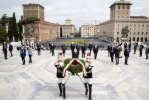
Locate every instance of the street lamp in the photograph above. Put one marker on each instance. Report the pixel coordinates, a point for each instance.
(50, 33)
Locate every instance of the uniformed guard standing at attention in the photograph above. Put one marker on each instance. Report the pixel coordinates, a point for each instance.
(61, 80)
(88, 79)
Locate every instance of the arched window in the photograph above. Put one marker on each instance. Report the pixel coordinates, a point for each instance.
(138, 39)
(145, 39)
(133, 38)
(142, 39)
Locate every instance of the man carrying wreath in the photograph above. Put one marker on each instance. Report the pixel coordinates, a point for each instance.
(61, 80)
(88, 79)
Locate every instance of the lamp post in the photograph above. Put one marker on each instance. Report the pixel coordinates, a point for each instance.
(50, 33)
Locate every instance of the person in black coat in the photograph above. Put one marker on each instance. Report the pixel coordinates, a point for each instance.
(112, 53)
(141, 49)
(126, 54)
(10, 49)
(78, 49)
(52, 48)
(83, 49)
(5, 51)
(90, 46)
(72, 47)
(38, 48)
(129, 46)
(63, 49)
(125, 45)
(75, 54)
(109, 46)
(95, 50)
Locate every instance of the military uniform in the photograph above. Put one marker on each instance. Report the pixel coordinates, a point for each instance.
(61, 80)
(88, 79)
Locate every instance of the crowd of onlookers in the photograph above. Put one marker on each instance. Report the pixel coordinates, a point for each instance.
(114, 50)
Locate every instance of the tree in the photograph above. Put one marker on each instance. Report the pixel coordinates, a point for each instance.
(29, 26)
(4, 20)
(10, 29)
(20, 30)
(3, 35)
(14, 27)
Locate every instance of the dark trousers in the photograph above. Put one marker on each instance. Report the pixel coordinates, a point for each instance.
(83, 54)
(11, 53)
(146, 55)
(78, 53)
(5, 55)
(72, 52)
(23, 60)
(140, 53)
(63, 53)
(112, 56)
(95, 55)
(134, 51)
(117, 58)
(30, 58)
(52, 52)
(39, 52)
(90, 50)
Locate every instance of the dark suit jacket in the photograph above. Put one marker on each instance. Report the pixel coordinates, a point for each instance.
(10, 47)
(75, 55)
(38, 46)
(52, 47)
(72, 47)
(95, 49)
(83, 48)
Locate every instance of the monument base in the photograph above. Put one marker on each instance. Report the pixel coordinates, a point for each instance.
(124, 39)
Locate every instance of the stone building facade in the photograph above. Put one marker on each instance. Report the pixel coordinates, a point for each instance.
(68, 29)
(87, 30)
(119, 18)
(44, 31)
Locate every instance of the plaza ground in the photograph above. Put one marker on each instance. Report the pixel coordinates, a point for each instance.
(37, 81)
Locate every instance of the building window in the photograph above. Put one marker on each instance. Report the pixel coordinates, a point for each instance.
(130, 28)
(134, 25)
(146, 33)
(142, 25)
(145, 39)
(123, 7)
(134, 28)
(147, 25)
(138, 33)
(128, 7)
(127, 12)
(134, 32)
(133, 38)
(142, 32)
(118, 25)
(117, 32)
(138, 39)
(139, 25)
(141, 39)
(118, 16)
(119, 7)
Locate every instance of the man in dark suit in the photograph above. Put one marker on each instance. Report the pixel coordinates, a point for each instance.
(5, 51)
(95, 50)
(125, 45)
(39, 48)
(141, 49)
(75, 54)
(129, 46)
(10, 49)
(52, 48)
(63, 46)
(72, 47)
(83, 49)
(112, 53)
(78, 49)
(90, 46)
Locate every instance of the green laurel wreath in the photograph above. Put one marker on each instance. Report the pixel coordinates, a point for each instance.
(75, 68)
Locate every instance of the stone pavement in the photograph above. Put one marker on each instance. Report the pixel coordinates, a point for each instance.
(37, 81)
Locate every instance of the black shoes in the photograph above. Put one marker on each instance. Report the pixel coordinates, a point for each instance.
(86, 88)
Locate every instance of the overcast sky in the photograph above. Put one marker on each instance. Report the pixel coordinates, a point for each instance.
(79, 11)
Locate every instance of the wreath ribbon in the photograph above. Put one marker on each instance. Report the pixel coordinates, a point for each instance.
(69, 64)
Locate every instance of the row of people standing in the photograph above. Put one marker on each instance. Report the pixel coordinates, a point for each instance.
(75, 50)
(5, 49)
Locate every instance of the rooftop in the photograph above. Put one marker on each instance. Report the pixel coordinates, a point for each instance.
(121, 2)
(32, 4)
